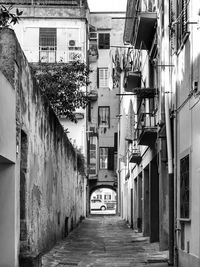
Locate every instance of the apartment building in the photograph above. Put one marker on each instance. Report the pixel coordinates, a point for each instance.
(55, 32)
(105, 45)
(159, 188)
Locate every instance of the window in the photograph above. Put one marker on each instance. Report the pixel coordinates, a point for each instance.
(107, 197)
(184, 187)
(93, 158)
(104, 40)
(104, 117)
(106, 158)
(182, 17)
(102, 79)
(47, 44)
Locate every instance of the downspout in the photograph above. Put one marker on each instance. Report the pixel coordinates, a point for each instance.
(168, 94)
(171, 179)
(168, 91)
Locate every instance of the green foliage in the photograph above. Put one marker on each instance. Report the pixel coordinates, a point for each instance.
(64, 85)
(81, 164)
(7, 17)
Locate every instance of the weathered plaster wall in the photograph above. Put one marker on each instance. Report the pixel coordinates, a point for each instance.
(50, 202)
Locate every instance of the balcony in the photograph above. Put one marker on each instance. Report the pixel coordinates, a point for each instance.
(144, 92)
(132, 80)
(145, 28)
(147, 129)
(93, 95)
(53, 54)
(135, 156)
(46, 2)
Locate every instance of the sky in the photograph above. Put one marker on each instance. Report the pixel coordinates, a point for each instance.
(107, 5)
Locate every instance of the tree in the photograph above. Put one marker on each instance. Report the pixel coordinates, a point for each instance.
(64, 85)
(7, 17)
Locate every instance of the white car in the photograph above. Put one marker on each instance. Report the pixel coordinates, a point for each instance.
(97, 204)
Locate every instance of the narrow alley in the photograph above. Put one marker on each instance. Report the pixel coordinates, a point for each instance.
(104, 241)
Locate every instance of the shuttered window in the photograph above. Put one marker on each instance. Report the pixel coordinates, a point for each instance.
(47, 38)
(102, 77)
(172, 18)
(182, 18)
(104, 117)
(106, 158)
(184, 187)
(104, 40)
(93, 155)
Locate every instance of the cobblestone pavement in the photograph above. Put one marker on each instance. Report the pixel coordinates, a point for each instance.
(102, 241)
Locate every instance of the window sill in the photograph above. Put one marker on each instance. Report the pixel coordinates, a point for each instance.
(186, 220)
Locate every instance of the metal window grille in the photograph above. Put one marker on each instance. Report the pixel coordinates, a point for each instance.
(47, 44)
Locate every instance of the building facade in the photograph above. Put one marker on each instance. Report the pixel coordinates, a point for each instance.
(42, 187)
(56, 32)
(105, 44)
(158, 169)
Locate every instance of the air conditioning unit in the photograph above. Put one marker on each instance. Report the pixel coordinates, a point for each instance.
(72, 43)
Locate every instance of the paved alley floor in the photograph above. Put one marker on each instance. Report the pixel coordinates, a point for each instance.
(103, 241)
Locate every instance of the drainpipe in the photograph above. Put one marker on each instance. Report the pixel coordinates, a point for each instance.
(171, 180)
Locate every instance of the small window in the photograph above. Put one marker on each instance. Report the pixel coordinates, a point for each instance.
(102, 79)
(184, 187)
(107, 197)
(106, 158)
(93, 155)
(104, 117)
(47, 44)
(104, 40)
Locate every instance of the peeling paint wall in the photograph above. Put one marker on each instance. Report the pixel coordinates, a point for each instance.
(50, 189)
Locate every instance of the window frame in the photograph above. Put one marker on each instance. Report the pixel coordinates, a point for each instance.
(185, 174)
(110, 159)
(102, 77)
(102, 42)
(50, 47)
(107, 124)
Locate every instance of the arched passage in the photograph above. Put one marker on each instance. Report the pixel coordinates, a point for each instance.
(103, 200)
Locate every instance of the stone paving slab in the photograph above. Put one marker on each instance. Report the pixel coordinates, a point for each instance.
(102, 241)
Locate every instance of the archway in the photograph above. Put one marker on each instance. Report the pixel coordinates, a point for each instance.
(103, 200)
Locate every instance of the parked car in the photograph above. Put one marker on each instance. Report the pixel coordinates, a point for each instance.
(97, 204)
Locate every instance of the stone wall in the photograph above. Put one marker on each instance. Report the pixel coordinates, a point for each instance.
(50, 189)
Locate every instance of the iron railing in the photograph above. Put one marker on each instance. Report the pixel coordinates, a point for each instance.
(46, 2)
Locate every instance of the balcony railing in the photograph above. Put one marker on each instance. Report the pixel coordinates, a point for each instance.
(53, 54)
(135, 155)
(46, 2)
(147, 129)
(93, 95)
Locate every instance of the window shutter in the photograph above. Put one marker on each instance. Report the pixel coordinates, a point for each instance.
(115, 141)
(107, 41)
(97, 77)
(111, 158)
(172, 28)
(101, 40)
(185, 15)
